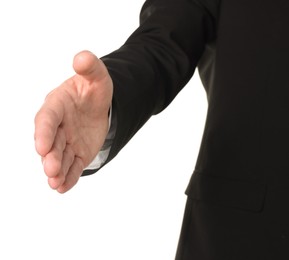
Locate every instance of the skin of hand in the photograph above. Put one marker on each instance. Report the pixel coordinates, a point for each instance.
(72, 124)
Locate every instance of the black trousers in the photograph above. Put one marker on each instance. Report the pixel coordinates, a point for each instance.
(214, 232)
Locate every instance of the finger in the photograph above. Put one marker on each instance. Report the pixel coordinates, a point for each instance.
(52, 162)
(68, 158)
(72, 176)
(47, 121)
(56, 182)
(67, 161)
(87, 65)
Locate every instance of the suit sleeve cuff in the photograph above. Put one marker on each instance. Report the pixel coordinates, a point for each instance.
(103, 154)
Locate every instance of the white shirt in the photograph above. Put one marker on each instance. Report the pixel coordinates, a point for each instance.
(102, 156)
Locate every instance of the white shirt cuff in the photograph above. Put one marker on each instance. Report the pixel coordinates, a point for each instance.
(102, 156)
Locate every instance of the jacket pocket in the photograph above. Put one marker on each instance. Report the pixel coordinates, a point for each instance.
(224, 192)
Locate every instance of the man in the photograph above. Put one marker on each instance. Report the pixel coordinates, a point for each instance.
(238, 196)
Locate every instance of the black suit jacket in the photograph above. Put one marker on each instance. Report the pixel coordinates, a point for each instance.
(238, 194)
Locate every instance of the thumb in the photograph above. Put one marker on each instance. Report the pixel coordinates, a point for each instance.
(87, 65)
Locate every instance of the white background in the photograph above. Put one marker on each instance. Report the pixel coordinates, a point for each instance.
(131, 209)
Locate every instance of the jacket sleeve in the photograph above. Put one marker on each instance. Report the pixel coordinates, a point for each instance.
(157, 61)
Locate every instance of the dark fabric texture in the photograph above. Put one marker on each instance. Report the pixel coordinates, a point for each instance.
(238, 196)
(156, 62)
(214, 231)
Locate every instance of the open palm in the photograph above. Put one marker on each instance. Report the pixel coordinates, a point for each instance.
(71, 125)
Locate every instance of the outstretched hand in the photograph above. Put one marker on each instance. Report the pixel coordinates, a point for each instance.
(71, 125)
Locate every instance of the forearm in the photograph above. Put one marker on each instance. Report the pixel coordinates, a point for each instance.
(156, 62)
